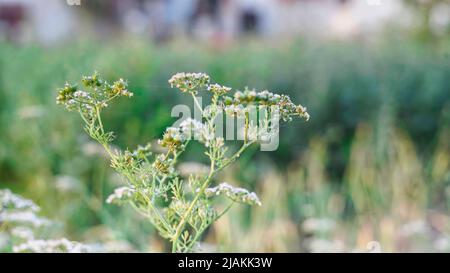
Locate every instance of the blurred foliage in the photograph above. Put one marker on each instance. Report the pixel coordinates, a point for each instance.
(373, 157)
(424, 11)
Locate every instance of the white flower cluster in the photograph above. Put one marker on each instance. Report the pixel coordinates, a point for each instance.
(218, 89)
(191, 127)
(24, 218)
(23, 233)
(81, 94)
(120, 87)
(121, 195)
(264, 99)
(19, 211)
(235, 110)
(175, 134)
(211, 111)
(189, 82)
(9, 200)
(22, 221)
(236, 194)
(51, 246)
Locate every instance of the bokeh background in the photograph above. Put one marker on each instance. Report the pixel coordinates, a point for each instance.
(371, 169)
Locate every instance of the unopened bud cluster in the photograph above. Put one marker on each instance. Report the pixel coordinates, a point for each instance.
(95, 94)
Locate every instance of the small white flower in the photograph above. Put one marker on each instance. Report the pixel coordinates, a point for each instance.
(252, 132)
(81, 94)
(220, 142)
(121, 195)
(235, 110)
(191, 127)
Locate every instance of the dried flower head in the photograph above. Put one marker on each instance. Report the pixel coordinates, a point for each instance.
(236, 194)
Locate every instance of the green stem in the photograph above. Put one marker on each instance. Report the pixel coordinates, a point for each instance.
(205, 184)
(99, 119)
(129, 177)
(203, 228)
(197, 103)
(235, 156)
(246, 127)
(158, 214)
(224, 211)
(186, 215)
(147, 215)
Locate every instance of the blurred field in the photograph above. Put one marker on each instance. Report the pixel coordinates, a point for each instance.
(373, 164)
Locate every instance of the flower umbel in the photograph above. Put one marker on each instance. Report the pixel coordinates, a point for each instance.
(121, 195)
(189, 82)
(236, 194)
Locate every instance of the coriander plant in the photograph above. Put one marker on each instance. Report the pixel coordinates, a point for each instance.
(182, 209)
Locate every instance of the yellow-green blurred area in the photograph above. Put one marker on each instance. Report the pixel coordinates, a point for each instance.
(371, 168)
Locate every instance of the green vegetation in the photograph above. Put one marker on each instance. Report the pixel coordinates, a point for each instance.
(371, 165)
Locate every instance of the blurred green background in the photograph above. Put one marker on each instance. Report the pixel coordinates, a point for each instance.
(372, 164)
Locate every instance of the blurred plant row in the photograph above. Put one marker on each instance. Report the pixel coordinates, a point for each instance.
(371, 165)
